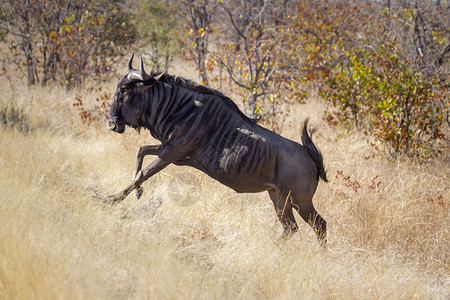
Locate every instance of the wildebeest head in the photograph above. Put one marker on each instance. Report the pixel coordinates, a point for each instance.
(125, 107)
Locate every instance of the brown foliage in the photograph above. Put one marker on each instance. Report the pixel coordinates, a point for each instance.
(98, 113)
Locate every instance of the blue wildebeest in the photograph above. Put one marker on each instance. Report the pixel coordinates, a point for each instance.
(202, 128)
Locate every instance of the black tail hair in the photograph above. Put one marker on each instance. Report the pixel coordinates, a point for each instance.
(313, 151)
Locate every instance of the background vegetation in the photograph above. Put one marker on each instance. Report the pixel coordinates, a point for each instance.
(372, 75)
(382, 66)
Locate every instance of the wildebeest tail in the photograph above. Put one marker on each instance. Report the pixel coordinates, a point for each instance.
(313, 151)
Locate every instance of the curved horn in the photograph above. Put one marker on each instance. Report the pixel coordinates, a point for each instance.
(144, 75)
(130, 62)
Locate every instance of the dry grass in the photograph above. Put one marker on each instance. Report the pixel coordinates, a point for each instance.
(388, 222)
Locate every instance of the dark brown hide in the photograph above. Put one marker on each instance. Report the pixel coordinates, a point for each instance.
(202, 128)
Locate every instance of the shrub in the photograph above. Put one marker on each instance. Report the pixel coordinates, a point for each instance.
(97, 113)
(380, 91)
(12, 116)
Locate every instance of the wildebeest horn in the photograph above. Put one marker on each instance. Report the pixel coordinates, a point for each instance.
(130, 62)
(144, 75)
(139, 75)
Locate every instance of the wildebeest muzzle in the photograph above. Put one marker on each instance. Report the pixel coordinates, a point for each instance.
(116, 126)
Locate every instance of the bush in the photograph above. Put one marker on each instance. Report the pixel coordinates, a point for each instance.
(380, 91)
(66, 41)
(12, 116)
(161, 38)
(96, 113)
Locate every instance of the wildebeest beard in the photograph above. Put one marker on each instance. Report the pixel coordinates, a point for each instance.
(202, 128)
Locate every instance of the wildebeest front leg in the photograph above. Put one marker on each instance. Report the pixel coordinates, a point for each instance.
(142, 152)
(157, 165)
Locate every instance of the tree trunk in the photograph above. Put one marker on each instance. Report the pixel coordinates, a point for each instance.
(251, 106)
(29, 59)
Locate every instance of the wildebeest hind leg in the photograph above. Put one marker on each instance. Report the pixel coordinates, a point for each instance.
(283, 207)
(312, 217)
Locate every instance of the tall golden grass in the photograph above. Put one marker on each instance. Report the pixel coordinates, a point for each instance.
(388, 221)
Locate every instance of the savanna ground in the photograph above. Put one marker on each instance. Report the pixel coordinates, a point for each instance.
(190, 237)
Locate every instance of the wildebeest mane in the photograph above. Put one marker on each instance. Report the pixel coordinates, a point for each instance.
(167, 78)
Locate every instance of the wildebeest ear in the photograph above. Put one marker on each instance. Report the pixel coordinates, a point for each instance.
(158, 77)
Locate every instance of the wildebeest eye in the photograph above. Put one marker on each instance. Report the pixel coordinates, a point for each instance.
(129, 86)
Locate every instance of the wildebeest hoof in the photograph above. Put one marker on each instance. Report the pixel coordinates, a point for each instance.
(139, 192)
(113, 199)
